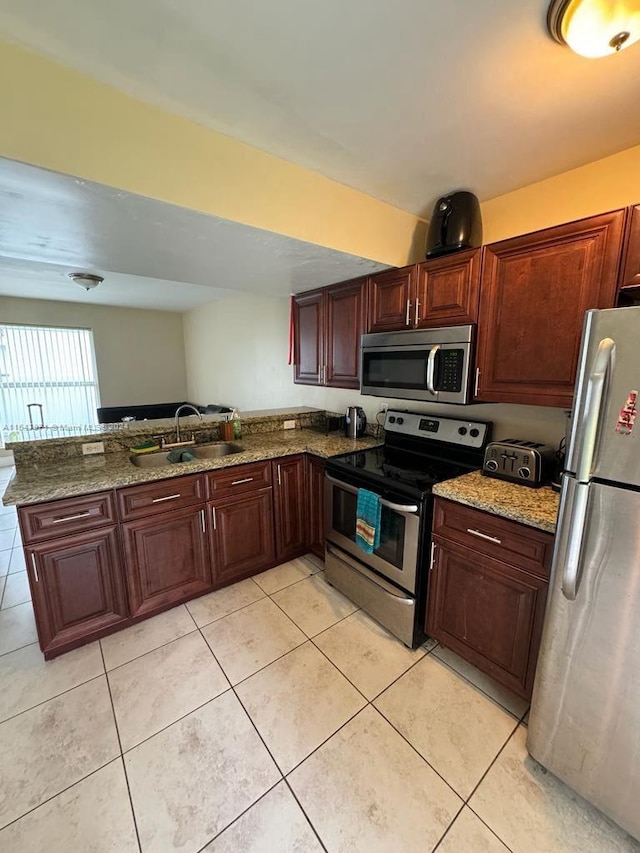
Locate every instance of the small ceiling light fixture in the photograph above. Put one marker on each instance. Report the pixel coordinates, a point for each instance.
(595, 28)
(86, 279)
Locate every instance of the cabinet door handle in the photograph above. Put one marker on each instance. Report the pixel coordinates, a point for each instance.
(246, 480)
(35, 567)
(168, 498)
(71, 517)
(202, 521)
(213, 517)
(417, 320)
(477, 385)
(407, 315)
(279, 480)
(484, 536)
(432, 559)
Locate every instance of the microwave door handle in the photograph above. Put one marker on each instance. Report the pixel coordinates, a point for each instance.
(404, 508)
(431, 369)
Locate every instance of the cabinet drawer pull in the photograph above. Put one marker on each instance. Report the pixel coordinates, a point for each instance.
(484, 536)
(202, 520)
(246, 480)
(168, 498)
(407, 319)
(213, 517)
(71, 517)
(35, 567)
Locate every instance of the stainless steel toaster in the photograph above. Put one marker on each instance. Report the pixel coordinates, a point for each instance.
(526, 462)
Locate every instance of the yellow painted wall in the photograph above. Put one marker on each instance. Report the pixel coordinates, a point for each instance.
(603, 185)
(61, 120)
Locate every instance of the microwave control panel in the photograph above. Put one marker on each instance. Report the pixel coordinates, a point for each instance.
(450, 366)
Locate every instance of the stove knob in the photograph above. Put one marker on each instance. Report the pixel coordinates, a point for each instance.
(392, 420)
(462, 430)
(400, 420)
(491, 465)
(474, 433)
(524, 472)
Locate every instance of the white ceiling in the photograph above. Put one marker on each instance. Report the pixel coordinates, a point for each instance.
(403, 100)
(151, 254)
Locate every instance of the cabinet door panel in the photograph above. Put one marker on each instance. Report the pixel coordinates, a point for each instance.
(448, 290)
(391, 297)
(345, 324)
(309, 323)
(535, 291)
(77, 587)
(488, 612)
(242, 536)
(315, 515)
(166, 559)
(631, 266)
(289, 505)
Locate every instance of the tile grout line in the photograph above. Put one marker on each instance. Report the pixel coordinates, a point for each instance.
(124, 768)
(50, 698)
(302, 809)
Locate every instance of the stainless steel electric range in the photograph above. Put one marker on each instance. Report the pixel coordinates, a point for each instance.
(419, 450)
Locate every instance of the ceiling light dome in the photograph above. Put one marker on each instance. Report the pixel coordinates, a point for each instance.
(595, 28)
(86, 279)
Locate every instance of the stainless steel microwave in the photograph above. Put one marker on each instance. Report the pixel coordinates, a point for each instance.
(432, 365)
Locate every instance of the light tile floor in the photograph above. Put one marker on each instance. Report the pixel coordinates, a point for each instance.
(270, 717)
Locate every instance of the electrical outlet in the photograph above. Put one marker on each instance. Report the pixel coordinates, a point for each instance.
(289, 425)
(92, 447)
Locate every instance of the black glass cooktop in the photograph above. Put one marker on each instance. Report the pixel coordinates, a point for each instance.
(398, 469)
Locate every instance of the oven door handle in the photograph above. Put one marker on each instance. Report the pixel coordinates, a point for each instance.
(407, 509)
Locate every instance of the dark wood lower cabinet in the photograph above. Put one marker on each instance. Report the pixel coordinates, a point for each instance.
(487, 611)
(315, 498)
(242, 540)
(289, 506)
(77, 588)
(166, 558)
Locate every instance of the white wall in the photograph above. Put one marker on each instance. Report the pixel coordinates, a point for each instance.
(236, 353)
(139, 354)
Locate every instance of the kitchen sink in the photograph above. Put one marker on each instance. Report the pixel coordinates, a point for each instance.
(202, 451)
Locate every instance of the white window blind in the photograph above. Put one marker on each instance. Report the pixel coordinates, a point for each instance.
(49, 366)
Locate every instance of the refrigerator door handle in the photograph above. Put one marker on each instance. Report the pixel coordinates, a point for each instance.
(570, 557)
(593, 408)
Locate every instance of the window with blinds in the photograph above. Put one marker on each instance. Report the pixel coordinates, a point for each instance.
(47, 377)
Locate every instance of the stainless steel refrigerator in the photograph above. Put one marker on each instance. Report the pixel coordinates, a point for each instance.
(585, 713)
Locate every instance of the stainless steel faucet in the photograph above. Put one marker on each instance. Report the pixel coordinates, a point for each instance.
(177, 442)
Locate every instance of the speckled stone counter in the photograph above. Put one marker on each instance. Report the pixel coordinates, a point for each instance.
(49, 480)
(535, 507)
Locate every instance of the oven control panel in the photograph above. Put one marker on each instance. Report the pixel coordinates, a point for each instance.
(450, 430)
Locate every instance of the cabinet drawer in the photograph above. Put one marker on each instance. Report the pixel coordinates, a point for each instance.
(161, 496)
(70, 515)
(514, 543)
(238, 479)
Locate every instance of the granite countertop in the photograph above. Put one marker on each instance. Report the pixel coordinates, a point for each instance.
(534, 507)
(52, 480)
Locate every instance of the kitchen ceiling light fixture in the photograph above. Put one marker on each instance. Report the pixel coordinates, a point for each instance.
(594, 28)
(86, 279)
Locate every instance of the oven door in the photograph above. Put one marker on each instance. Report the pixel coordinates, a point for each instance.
(434, 373)
(397, 556)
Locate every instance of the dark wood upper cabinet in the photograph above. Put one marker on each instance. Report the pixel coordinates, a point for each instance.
(289, 503)
(166, 558)
(345, 313)
(630, 276)
(448, 290)
(391, 298)
(327, 325)
(535, 291)
(309, 326)
(242, 542)
(315, 498)
(77, 588)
